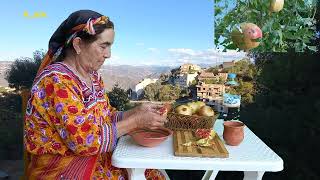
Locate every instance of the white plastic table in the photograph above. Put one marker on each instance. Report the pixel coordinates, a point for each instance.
(252, 156)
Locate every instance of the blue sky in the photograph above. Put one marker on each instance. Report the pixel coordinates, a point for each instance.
(152, 32)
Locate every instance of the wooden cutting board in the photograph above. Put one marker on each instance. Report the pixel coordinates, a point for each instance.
(183, 136)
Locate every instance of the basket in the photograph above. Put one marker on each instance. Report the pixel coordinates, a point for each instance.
(178, 121)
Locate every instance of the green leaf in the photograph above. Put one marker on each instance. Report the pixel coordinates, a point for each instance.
(312, 48)
(231, 46)
(308, 21)
(217, 11)
(289, 35)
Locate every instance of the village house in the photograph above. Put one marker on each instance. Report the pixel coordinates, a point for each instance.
(210, 91)
(186, 74)
(142, 84)
(185, 80)
(228, 64)
(211, 76)
(189, 68)
(228, 103)
(212, 94)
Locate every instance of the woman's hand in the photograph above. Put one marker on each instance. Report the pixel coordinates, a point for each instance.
(141, 109)
(149, 107)
(149, 119)
(146, 115)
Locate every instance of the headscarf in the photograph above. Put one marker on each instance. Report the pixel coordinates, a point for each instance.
(82, 20)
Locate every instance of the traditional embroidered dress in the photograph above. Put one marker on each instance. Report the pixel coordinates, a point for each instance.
(70, 128)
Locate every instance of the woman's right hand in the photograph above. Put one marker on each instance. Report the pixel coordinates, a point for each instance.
(149, 119)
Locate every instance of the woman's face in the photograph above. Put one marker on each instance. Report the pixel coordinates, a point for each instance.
(93, 55)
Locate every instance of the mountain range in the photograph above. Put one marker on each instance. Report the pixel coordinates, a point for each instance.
(125, 75)
(128, 76)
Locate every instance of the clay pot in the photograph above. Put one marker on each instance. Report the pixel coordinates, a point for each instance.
(233, 132)
(150, 137)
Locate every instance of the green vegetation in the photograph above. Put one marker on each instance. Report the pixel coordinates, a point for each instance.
(291, 29)
(23, 70)
(214, 70)
(214, 81)
(151, 91)
(118, 98)
(158, 92)
(164, 78)
(11, 123)
(245, 89)
(244, 69)
(247, 73)
(285, 112)
(169, 92)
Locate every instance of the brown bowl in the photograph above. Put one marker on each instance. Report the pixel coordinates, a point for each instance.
(150, 137)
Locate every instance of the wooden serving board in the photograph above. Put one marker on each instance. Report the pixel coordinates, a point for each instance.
(183, 136)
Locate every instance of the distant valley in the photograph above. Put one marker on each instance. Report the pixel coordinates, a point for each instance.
(125, 75)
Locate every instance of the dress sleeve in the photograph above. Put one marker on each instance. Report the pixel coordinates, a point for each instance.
(78, 127)
(116, 116)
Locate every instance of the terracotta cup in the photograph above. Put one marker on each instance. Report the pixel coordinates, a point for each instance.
(233, 132)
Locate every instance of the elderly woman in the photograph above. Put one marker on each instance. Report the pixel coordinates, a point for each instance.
(70, 127)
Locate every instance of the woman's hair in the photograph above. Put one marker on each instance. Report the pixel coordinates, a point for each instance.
(86, 38)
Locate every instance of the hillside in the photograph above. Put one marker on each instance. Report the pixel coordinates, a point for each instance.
(126, 76)
(4, 65)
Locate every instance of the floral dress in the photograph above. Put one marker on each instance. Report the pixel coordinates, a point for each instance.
(70, 128)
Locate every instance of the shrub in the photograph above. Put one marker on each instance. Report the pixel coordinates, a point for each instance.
(23, 71)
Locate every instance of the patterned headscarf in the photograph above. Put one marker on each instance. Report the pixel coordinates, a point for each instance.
(82, 20)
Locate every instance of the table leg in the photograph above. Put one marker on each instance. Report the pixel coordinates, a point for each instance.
(253, 175)
(136, 174)
(164, 173)
(210, 175)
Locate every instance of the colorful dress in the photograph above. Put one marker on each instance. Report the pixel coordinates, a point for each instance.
(70, 129)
